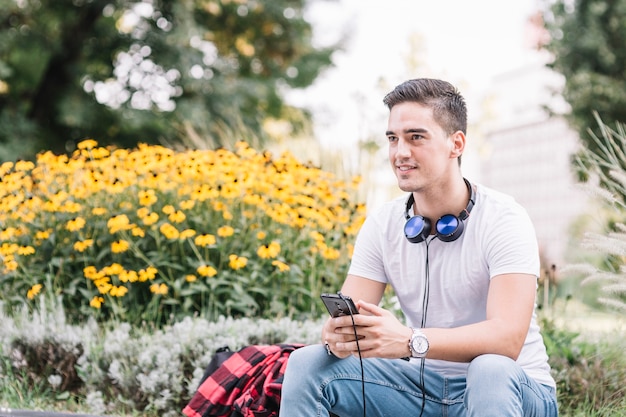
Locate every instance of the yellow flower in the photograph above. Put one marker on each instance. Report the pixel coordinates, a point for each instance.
(282, 267)
(118, 291)
(237, 262)
(143, 212)
(187, 233)
(150, 219)
(317, 236)
(9, 263)
(24, 165)
(204, 240)
(81, 246)
(169, 231)
(177, 217)
(190, 278)
(147, 274)
(137, 231)
(34, 290)
(8, 233)
(25, 250)
(187, 204)
(159, 289)
(100, 153)
(75, 224)
(113, 269)
(96, 302)
(329, 253)
(206, 271)
(87, 144)
(128, 276)
(261, 235)
(120, 246)
(147, 197)
(168, 209)
(8, 248)
(90, 272)
(225, 231)
(269, 251)
(118, 223)
(103, 286)
(42, 234)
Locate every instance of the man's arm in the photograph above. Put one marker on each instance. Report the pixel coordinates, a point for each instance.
(363, 289)
(510, 306)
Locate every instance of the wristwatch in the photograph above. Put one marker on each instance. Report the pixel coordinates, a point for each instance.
(418, 344)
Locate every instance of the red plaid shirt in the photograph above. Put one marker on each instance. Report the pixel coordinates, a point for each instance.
(247, 384)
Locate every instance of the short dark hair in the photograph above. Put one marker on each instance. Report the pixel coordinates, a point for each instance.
(449, 108)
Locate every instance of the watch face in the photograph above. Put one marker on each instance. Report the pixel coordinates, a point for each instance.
(419, 345)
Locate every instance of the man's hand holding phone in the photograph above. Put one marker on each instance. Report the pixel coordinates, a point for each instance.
(339, 305)
(339, 331)
(379, 332)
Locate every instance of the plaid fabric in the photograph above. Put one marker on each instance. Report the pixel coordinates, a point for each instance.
(247, 384)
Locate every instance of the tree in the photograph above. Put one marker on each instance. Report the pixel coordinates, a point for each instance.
(129, 71)
(587, 39)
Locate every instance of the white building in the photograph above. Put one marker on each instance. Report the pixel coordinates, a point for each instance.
(528, 154)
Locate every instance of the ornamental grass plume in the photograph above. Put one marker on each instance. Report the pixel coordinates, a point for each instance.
(606, 171)
(155, 234)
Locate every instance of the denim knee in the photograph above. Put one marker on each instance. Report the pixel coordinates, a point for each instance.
(307, 357)
(498, 386)
(303, 367)
(493, 386)
(492, 366)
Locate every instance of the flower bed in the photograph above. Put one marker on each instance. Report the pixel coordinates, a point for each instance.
(152, 234)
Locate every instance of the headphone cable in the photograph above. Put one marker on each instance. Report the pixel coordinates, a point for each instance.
(358, 348)
(425, 299)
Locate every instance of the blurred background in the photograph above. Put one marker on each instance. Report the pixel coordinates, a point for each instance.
(245, 81)
(309, 76)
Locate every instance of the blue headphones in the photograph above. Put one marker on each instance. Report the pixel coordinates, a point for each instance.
(448, 228)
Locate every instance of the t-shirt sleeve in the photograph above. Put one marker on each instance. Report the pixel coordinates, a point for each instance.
(512, 246)
(367, 258)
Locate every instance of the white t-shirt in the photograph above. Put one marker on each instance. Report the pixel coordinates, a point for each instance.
(498, 238)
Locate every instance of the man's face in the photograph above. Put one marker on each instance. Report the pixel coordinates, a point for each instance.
(420, 152)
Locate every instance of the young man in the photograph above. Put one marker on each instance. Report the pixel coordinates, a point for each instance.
(463, 261)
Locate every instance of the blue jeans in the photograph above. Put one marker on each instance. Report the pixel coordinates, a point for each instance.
(316, 384)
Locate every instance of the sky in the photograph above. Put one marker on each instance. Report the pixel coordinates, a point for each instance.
(462, 41)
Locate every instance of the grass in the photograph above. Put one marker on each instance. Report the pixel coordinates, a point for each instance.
(590, 359)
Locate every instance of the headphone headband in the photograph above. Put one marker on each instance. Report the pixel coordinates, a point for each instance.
(448, 227)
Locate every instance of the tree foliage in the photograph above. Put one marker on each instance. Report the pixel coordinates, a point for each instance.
(128, 71)
(587, 39)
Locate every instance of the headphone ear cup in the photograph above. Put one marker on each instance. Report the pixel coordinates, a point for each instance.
(449, 228)
(417, 229)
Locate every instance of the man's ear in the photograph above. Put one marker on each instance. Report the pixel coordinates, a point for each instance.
(458, 144)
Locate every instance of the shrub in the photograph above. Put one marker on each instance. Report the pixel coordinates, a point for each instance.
(118, 369)
(155, 234)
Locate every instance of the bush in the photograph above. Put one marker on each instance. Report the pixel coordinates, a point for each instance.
(119, 369)
(154, 234)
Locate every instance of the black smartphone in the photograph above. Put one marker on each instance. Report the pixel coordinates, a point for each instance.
(339, 305)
